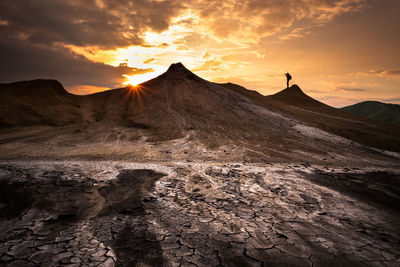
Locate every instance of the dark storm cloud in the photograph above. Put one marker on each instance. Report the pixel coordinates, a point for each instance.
(103, 23)
(24, 61)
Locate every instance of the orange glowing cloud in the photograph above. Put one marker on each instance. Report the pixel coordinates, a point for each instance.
(86, 89)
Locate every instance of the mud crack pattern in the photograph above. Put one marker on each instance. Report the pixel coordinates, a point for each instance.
(198, 214)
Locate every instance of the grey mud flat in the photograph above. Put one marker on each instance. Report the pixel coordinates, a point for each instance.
(80, 213)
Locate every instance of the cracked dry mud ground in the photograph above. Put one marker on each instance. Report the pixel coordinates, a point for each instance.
(197, 214)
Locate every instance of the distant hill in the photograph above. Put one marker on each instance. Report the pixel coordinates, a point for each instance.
(376, 110)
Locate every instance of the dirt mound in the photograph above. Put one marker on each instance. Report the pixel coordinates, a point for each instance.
(295, 103)
(180, 115)
(296, 97)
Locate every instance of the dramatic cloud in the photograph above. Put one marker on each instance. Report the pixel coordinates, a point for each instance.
(118, 23)
(86, 89)
(23, 61)
(103, 23)
(37, 35)
(250, 20)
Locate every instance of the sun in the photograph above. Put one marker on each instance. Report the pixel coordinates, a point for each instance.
(131, 80)
(134, 80)
(135, 89)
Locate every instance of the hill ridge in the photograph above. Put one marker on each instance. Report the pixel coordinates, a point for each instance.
(179, 104)
(35, 86)
(386, 112)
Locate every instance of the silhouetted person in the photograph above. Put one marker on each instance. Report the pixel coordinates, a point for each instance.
(288, 77)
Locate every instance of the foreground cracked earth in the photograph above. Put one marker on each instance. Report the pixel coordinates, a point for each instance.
(197, 214)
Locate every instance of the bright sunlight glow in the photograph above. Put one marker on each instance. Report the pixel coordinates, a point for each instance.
(134, 80)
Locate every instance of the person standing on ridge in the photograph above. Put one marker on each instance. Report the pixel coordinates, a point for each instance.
(288, 77)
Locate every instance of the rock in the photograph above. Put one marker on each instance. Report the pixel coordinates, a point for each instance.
(75, 260)
(183, 251)
(108, 263)
(99, 253)
(206, 219)
(111, 254)
(149, 198)
(41, 256)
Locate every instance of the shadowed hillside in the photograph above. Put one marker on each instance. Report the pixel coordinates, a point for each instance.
(376, 110)
(37, 102)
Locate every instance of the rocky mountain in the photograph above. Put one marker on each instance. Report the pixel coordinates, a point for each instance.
(376, 110)
(179, 115)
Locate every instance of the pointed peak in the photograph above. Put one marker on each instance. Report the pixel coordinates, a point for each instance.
(175, 72)
(175, 67)
(296, 97)
(294, 88)
(178, 70)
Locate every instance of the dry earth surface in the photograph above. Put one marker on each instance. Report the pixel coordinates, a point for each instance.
(180, 171)
(105, 213)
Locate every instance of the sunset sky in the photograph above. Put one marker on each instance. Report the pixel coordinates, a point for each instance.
(338, 51)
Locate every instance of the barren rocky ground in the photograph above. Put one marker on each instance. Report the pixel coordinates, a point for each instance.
(180, 171)
(104, 213)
